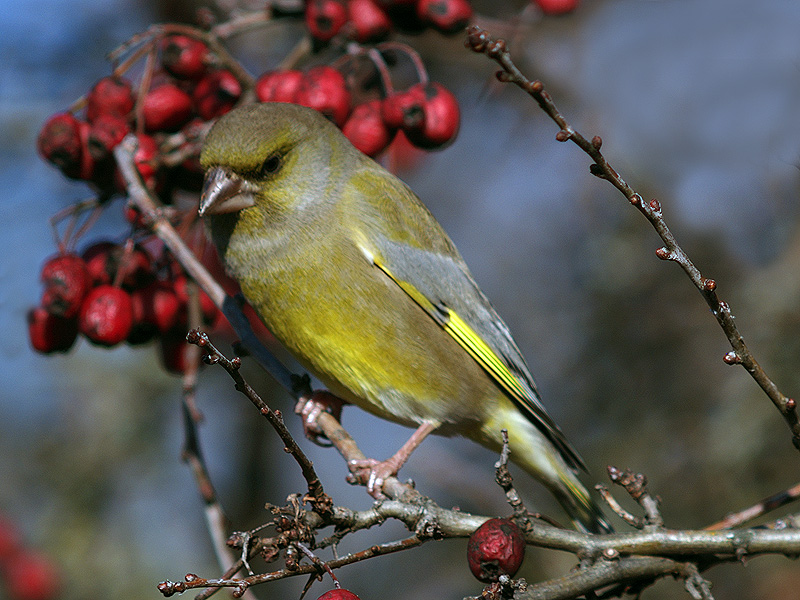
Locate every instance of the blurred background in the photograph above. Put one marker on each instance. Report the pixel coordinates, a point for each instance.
(696, 102)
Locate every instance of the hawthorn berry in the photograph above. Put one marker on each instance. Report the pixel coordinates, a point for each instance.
(50, 333)
(368, 22)
(110, 95)
(31, 576)
(442, 118)
(279, 86)
(448, 16)
(338, 594)
(172, 351)
(99, 262)
(136, 266)
(166, 108)
(556, 7)
(59, 143)
(146, 159)
(403, 110)
(10, 541)
(158, 305)
(495, 548)
(324, 89)
(135, 217)
(325, 18)
(216, 94)
(184, 57)
(66, 282)
(106, 316)
(367, 130)
(105, 132)
(208, 309)
(88, 163)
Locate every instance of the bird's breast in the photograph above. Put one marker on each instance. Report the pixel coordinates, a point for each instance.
(352, 326)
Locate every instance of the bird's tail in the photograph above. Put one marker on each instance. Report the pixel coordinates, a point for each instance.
(578, 504)
(532, 451)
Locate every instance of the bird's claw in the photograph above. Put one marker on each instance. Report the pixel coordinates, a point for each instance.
(373, 474)
(311, 408)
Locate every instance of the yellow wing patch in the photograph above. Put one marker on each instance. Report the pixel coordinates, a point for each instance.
(468, 339)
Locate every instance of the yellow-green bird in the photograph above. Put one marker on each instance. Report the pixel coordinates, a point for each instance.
(354, 276)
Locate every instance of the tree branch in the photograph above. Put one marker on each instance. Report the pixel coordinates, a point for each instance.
(481, 41)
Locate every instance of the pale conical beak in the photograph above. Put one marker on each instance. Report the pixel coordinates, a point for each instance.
(224, 192)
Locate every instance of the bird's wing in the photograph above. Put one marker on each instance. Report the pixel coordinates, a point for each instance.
(426, 265)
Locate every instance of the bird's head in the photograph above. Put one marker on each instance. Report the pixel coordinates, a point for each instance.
(270, 155)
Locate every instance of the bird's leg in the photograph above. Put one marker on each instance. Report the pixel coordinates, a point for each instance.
(310, 409)
(373, 473)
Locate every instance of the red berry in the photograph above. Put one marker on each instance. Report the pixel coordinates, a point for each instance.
(404, 110)
(106, 316)
(403, 155)
(135, 217)
(146, 159)
(104, 259)
(105, 132)
(110, 95)
(338, 594)
(10, 542)
(368, 21)
(556, 7)
(324, 89)
(66, 280)
(157, 304)
(448, 16)
(279, 86)
(442, 118)
(59, 142)
(366, 129)
(216, 94)
(31, 576)
(325, 18)
(166, 108)
(184, 57)
(88, 163)
(172, 347)
(207, 306)
(136, 267)
(99, 263)
(495, 548)
(50, 333)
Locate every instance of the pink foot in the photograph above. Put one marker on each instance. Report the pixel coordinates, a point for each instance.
(311, 408)
(373, 473)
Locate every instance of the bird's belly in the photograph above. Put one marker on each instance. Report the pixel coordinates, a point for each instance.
(373, 346)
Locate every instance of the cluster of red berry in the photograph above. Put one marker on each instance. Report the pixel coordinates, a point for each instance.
(369, 21)
(189, 81)
(113, 294)
(27, 574)
(119, 293)
(427, 113)
(187, 92)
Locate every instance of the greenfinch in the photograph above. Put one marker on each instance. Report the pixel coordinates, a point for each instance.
(355, 277)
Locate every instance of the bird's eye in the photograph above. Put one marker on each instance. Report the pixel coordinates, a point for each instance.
(272, 165)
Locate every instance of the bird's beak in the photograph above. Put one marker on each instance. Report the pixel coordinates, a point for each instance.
(224, 192)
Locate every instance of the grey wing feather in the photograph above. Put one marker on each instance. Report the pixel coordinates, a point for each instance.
(445, 280)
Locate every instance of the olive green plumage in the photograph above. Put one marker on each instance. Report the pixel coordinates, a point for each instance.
(351, 272)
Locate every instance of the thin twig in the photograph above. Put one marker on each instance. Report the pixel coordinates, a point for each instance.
(481, 41)
(321, 501)
(140, 197)
(763, 507)
(168, 588)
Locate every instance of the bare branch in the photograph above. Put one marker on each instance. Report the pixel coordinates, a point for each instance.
(481, 41)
